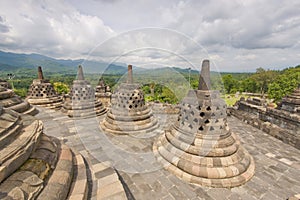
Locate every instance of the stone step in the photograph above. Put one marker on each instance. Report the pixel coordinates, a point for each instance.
(51, 102)
(79, 187)
(21, 185)
(88, 113)
(16, 103)
(139, 131)
(28, 181)
(9, 115)
(19, 150)
(7, 124)
(55, 106)
(108, 184)
(6, 94)
(14, 100)
(9, 134)
(122, 115)
(20, 107)
(96, 182)
(59, 183)
(50, 105)
(82, 105)
(31, 111)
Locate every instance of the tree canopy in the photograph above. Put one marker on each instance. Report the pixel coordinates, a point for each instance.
(285, 83)
(172, 87)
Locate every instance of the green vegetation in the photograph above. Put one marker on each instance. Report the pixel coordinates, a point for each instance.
(263, 78)
(232, 99)
(21, 92)
(157, 92)
(61, 88)
(171, 84)
(230, 84)
(276, 84)
(285, 83)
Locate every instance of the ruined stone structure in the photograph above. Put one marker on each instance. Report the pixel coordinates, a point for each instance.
(291, 103)
(164, 108)
(251, 105)
(282, 122)
(129, 114)
(8, 99)
(33, 165)
(200, 148)
(103, 92)
(286, 117)
(42, 93)
(81, 101)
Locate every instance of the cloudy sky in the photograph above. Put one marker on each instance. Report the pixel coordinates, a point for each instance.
(236, 35)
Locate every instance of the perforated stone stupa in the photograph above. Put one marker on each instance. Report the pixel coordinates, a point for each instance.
(81, 101)
(103, 92)
(129, 114)
(200, 148)
(33, 165)
(8, 99)
(42, 93)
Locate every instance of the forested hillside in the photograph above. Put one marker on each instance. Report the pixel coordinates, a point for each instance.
(274, 83)
(167, 84)
(171, 84)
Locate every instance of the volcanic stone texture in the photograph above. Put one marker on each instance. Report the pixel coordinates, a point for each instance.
(200, 148)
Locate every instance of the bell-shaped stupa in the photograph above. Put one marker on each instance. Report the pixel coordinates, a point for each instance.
(81, 101)
(42, 93)
(129, 114)
(200, 148)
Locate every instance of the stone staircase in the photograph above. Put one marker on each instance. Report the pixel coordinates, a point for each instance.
(36, 166)
(96, 179)
(107, 182)
(10, 100)
(79, 187)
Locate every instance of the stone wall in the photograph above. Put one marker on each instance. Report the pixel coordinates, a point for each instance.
(266, 122)
(164, 108)
(281, 118)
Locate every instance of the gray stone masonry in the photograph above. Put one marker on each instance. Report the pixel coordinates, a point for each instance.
(277, 164)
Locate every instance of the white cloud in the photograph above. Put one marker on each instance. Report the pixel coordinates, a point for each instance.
(245, 57)
(53, 28)
(237, 35)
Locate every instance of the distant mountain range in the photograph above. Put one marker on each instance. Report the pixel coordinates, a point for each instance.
(13, 61)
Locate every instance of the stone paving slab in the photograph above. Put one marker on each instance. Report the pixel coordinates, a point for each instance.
(277, 164)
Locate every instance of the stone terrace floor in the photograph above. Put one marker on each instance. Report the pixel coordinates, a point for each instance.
(277, 173)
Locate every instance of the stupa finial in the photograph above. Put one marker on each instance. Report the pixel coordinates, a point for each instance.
(80, 73)
(40, 73)
(204, 78)
(129, 75)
